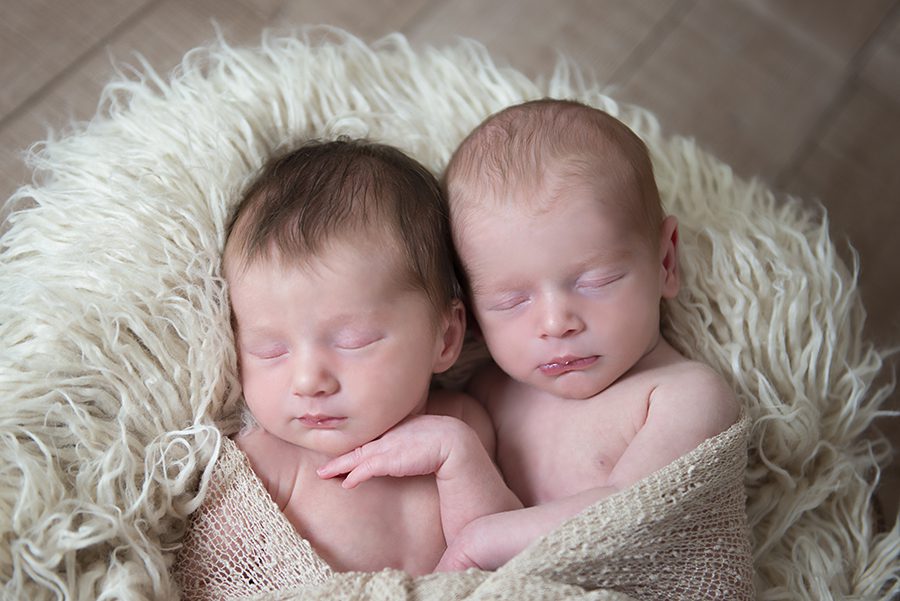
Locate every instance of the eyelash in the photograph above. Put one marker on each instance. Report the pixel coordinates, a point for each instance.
(345, 345)
(594, 284)
(508, 303)
(355, 345)
(512, 303)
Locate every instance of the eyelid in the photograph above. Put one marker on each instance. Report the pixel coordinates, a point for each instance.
(507, 303)
(598, 282)
(267, 353)
(353, 342)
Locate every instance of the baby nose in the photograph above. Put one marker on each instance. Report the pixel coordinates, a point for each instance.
(313, 378)
(559, 320)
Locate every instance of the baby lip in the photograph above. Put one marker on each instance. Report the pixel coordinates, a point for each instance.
(567, 363)
(318, 420)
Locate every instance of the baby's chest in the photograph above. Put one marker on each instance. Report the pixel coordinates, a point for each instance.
(553, 450)
(385, 522)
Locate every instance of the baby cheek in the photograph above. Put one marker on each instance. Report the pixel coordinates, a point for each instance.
(261, 390)
(507, 343)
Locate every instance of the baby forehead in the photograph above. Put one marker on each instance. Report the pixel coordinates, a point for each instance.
(345, 282)
(500, 240)
(349, 255)
(539, 185)
(557, 201)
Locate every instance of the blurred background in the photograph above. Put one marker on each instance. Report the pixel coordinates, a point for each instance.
(803, 94)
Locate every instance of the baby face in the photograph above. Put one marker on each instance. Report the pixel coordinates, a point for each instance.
(567, 299)
(334, 353)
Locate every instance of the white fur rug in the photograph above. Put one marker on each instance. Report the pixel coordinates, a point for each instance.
(116, 361)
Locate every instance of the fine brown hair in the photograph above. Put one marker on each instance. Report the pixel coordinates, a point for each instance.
(519, 147)
(342, 189)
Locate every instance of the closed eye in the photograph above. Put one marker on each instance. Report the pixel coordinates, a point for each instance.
(357, 342)
(267, 354)
(595, 283)
(508, 304)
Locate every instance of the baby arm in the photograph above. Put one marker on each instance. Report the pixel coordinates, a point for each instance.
(490, 541)
(682, 412)
(456, 446)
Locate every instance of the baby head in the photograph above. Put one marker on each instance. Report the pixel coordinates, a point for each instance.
(557, 222)
(343, 295)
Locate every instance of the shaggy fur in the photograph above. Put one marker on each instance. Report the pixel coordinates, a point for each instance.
(116, 368)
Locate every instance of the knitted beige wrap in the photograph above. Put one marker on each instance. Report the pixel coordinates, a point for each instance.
(680, 533)
(239, 542)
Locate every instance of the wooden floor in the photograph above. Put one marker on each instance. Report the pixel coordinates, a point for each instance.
(804, 93)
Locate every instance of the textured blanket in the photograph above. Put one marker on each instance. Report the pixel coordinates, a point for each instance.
(117, 374)
(681, 533)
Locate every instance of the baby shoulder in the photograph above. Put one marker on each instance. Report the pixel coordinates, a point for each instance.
(696, 396)
(273, 460)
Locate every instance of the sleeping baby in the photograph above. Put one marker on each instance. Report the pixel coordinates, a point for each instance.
(558, 224)
(344, 303)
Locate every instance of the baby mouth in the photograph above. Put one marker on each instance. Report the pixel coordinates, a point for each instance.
(562, 365)
(320, 421)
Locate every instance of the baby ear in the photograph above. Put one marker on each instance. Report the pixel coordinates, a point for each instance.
(453, 328)
(668, 256)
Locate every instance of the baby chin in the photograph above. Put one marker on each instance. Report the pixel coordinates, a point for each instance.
(330, 440)
(578, 385)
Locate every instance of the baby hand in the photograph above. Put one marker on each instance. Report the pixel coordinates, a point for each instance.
(417, 446)
(485, 543)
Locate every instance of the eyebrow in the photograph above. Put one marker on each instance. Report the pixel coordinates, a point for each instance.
(259, 331)
(338, 321)
(483, 289)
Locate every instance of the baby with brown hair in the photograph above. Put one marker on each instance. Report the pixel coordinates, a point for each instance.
(344, 303)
